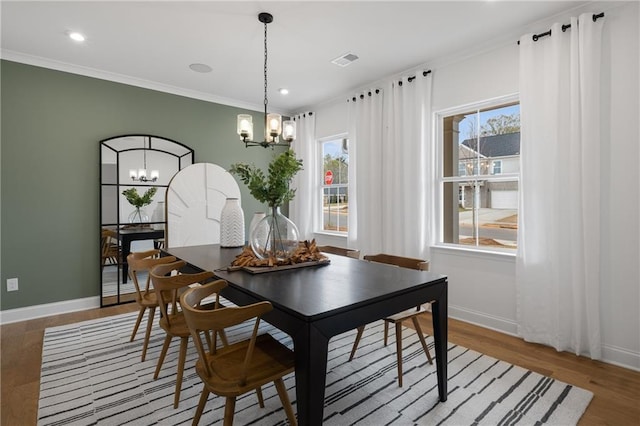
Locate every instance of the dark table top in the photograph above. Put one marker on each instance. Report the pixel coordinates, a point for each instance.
(140, 230)
(314, 292)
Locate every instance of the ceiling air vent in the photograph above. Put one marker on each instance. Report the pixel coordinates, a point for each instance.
(345, 59)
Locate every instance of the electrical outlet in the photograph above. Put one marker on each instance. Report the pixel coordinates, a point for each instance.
(12, 284)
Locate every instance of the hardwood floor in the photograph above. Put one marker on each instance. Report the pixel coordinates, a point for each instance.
(616, 390)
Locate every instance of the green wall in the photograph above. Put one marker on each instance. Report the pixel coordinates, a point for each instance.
(52, 123)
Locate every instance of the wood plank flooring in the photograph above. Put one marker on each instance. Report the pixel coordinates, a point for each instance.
(616, 390)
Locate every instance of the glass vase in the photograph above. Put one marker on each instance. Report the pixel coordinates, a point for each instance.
(275, 236)
(257, 217)
(139, 216)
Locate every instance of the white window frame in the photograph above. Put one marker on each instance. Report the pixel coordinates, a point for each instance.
(493, 167)
(438, 211)
(319, 212)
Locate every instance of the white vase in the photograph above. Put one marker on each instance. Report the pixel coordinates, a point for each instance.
(232, 224)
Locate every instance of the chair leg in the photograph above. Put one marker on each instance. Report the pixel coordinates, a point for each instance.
(284, 398)
(416, 324)
(203, 401)
(386, 331)
(138, 321)
(260, 398)
(399, 351)
(184, 341)
(147, 336)
(355, 344)
(163, 353)
(229, 410)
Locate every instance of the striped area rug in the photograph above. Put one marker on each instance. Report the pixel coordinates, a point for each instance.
(91, 374)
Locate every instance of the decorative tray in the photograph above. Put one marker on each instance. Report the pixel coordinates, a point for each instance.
(306, 254)
(276, 268)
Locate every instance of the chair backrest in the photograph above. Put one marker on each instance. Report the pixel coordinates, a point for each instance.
(340, 251)
(167, 283)
(106, 244)
(212, 322)
(401, 261)
(144, 261)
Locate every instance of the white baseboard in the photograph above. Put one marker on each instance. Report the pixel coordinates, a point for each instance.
(39, 311)
(481, 319)
(620, 357)
(610, 354)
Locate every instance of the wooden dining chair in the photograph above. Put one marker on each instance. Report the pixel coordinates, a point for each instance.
(341, 251)
(240, 367)
(167, 284)
(109, 248)
(141, 263)
(399, 318)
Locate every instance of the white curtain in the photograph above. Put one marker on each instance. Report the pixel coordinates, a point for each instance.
(391, 178)
(406, 168)
(301, 208)
(557, 266)
(365, 177)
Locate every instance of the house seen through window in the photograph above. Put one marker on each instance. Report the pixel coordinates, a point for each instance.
(480, 167)
(335, 185)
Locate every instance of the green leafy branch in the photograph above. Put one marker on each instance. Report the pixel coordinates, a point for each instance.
(272, 189)
(136, 200)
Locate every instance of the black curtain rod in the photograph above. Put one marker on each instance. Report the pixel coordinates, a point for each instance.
(565, 27)
(424, 74)
(362, 95)
(410, 79)
(303, 115)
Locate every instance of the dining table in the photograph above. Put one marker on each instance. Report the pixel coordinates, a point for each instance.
(315, 303)
(135, 233)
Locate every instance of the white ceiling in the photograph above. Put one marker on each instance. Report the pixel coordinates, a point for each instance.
(152, 43)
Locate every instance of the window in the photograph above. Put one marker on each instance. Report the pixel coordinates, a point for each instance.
(479, 174)
(335, 185)
(497, 167)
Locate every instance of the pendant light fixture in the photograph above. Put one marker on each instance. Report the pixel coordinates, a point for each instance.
(141, 174)
(273, 124)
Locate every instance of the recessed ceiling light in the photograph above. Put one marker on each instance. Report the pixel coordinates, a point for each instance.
(76, 36)
(284, 91)
(203, 68)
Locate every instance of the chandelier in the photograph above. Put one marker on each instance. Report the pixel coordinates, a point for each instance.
(140, 175)
(273, 124)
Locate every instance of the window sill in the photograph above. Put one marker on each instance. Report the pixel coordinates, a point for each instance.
(331, 234)
(495, 254)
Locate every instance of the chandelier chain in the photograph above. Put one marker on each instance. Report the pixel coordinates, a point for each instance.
(265, 68)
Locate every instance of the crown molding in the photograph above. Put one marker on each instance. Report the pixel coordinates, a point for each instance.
(38, 61)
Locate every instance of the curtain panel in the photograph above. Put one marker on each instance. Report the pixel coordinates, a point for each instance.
(301, 208)
(406, 168)
(392, 154)
(365, 177)
(557, 264)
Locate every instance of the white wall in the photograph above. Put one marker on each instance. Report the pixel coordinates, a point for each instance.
(482, 285)
(620, 250)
